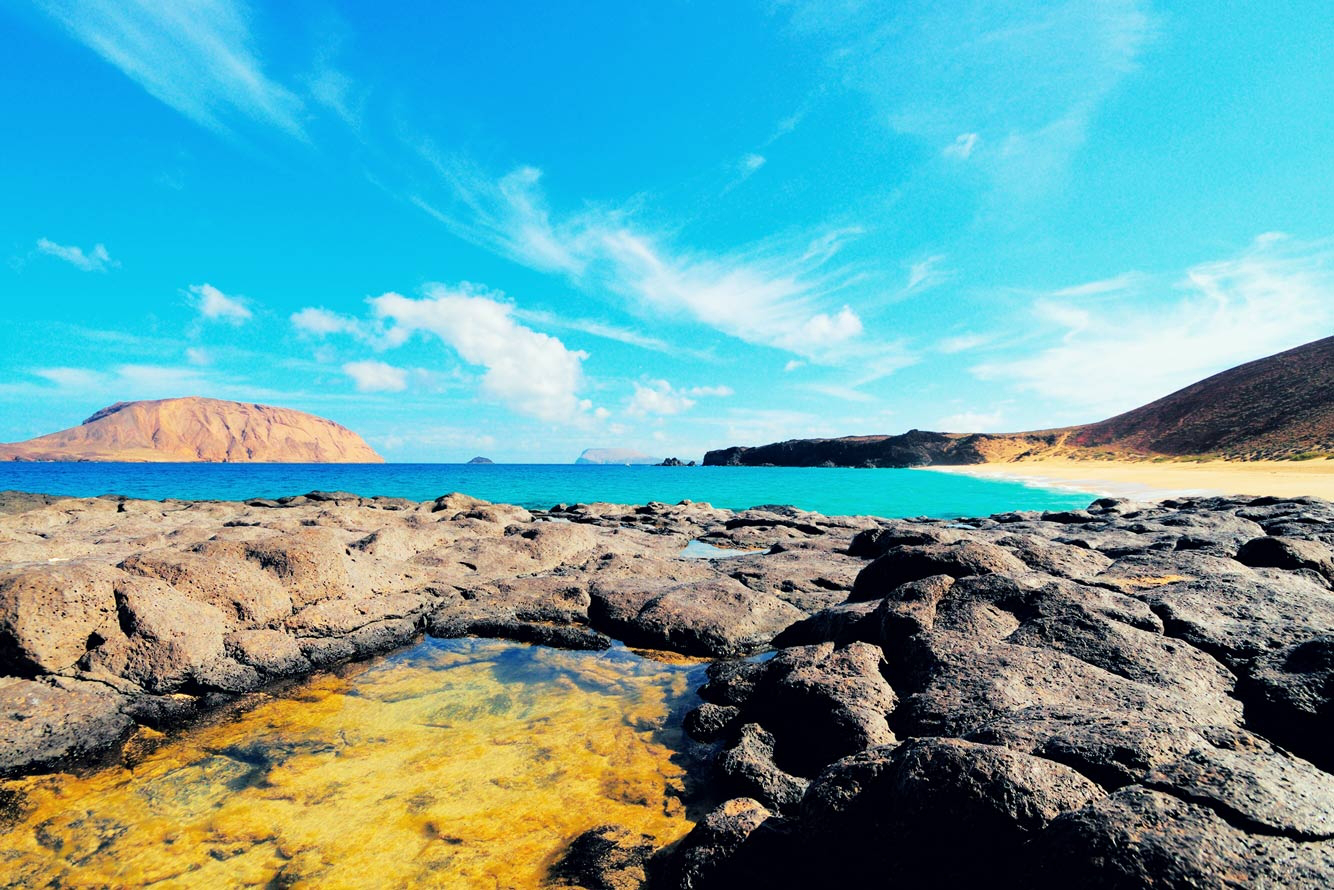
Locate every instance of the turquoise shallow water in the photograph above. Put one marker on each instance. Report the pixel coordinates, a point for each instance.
(830, 491)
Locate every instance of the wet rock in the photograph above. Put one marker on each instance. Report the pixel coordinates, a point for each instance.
(844, 623)
(558, 636)
(227, 676)
(914, 562)
(711, 855)
(605, 858)
(731, 682)
(43, 726)
(710, 722)
(822, 703)
(1139, 838)
(719, 618)
(272, 652)
(747, 769)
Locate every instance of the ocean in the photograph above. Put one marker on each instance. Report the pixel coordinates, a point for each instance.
(889, 493)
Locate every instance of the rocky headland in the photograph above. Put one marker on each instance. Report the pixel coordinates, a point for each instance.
(1276, 408)
(1131, 695)
(623, 456)
(190, 430)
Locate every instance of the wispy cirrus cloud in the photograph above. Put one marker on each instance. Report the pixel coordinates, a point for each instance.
(1012, 87)
(95, 260)
(197, 57)
(128, 381)
(780, 294)
(608, 331)
(1116, 344)
(962, 343)
(509, 215)
(925, 274)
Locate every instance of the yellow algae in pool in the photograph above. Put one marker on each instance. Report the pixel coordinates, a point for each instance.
(464, 763)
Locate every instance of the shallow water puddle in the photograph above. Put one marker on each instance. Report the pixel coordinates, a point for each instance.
(461, 763)
(698, 549)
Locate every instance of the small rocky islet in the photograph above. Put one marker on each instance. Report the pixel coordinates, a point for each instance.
(1130, 695)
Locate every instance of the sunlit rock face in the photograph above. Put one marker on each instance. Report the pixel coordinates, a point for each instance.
(465, 763)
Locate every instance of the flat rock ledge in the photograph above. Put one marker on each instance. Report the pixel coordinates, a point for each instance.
(1130, 695)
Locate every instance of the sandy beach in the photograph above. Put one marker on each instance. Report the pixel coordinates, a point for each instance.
(1145, 479)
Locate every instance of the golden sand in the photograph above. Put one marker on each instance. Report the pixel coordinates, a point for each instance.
(1150, 479)
(461, 764)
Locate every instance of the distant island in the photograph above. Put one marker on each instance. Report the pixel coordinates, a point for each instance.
(616, 456)
(198, 430)
(1276, 408)
(481, 460)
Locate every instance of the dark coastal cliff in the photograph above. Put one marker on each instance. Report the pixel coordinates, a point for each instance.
(914, 448)
(1277, 407)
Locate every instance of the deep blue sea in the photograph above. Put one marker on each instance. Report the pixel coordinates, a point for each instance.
(830, 491)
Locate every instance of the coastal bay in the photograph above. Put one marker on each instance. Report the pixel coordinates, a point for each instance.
(1159, 479)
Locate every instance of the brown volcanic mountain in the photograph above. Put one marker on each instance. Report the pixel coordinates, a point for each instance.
(198, 430)
(1273, 408)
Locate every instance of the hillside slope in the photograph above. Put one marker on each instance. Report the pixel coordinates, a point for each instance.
(198, 430)
(1277, 407)
(1274, 407)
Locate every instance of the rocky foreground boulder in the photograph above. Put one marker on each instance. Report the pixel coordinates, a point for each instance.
(1131, 695)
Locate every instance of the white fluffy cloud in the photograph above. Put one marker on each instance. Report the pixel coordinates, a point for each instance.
(529, 371)
(95, 260)
(214, 305)
(373, 376)
(321, 322)
(1112, 349)
(658, 397)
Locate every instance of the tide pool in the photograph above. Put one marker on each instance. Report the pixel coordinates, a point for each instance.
(454, 763)
(829, 491)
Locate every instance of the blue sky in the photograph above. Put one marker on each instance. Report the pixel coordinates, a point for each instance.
(527, 230)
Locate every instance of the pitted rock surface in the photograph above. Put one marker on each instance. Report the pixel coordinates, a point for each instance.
(1130, 695)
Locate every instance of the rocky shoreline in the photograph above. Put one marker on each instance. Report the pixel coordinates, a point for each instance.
(1131, 695)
